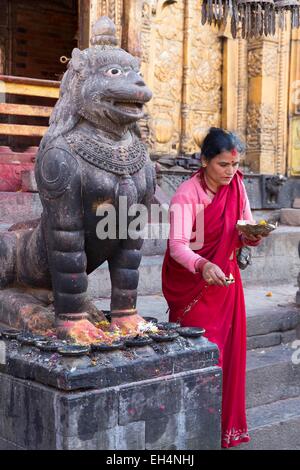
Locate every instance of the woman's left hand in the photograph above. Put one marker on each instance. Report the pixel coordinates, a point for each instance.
(252, 238)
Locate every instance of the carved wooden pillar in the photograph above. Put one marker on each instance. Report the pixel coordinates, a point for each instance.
(282, 100)
(84, 26)
(294, 107)
(91, 10)
(268, 68)
(162, 65)
(205, 109)
(132, 25)
(4, 36)
(261, 120)
(2, 56)
(186, 83)
(230, 82)
(234, 84)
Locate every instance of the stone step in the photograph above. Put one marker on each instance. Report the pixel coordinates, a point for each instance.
(290, 216)
(275, 426)
(271, 321)
(272, 374)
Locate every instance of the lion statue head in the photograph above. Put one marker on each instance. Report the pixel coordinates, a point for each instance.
(102, 85)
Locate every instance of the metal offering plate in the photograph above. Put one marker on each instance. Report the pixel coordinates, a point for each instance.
(73, 350)
(138, 341)
(104, 347)
(10, 333)
(107, 314)
(191, 332)
(164, 336)
(168, 326)
(262, 228)
(29, 339)
(150, 319)
(48, 346)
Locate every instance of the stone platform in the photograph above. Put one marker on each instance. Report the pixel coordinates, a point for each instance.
(160, 396)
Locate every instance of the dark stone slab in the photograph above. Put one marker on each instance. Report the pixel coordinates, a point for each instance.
(193, 417)
(271, 375)
(275, 426)
(111, 400)
(104, 370)
(6, 445)
(253, 188)
(273, 319)
(263, 341)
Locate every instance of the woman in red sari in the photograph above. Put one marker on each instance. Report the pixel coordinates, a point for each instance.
(193, 276)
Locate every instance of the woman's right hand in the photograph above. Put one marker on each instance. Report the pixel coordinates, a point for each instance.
(213, 275)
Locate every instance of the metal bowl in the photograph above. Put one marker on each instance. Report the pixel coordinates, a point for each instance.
(168, 326)
(10, 333)
(191, 332)
(104, 347)
(73, 350)
(48, 346)
(255, 229)
(29, 339)
(138, 341)
(167, 336)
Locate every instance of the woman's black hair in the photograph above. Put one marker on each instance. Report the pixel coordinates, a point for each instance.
(218, 141)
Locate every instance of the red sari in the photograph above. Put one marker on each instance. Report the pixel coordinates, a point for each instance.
(220, 310)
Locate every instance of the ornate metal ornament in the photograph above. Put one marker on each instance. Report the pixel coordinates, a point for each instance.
(255, 17)
(118, 160)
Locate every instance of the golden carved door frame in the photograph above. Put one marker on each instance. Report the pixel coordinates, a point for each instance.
(91, 10)
(182, 63)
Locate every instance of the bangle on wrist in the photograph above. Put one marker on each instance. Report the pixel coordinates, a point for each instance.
(199, 264)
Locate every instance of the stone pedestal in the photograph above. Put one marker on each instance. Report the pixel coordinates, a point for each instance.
(160, 396)
(290, 217)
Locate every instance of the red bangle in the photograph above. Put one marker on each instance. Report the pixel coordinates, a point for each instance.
(199, 264)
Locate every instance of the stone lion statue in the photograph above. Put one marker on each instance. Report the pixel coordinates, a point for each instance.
(90, 156)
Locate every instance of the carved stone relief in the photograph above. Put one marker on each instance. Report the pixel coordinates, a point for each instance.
(113, 9)
(162, 38)
(206, 79)
(261, 127)
(242, 90)
(163, 44)
(263, 62)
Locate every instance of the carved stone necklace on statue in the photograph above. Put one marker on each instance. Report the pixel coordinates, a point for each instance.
(117, 159)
